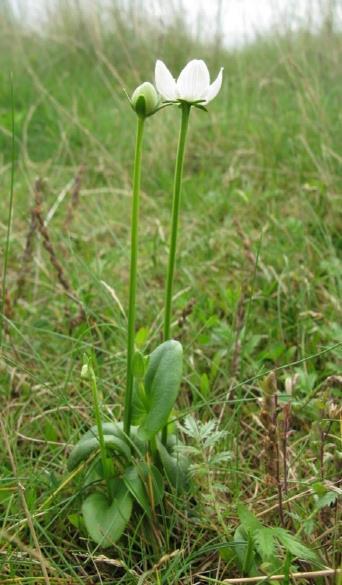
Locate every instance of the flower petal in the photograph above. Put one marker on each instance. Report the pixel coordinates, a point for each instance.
(165, 83)
(214, 88)
(193, 82)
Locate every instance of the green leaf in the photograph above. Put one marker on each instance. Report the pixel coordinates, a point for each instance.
(249, 522)
(176, 468)
(106, 521)
(162, 382)
(243, 544)
(141, 336)
(327, 500)
(134, 442)
(76, 520)
(265, 542)
(152, 479)
(138, 365)
(136, 487)
(292, 545)
(86, 447)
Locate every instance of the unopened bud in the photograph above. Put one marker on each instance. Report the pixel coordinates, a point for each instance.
(145, 100)
(85, 372)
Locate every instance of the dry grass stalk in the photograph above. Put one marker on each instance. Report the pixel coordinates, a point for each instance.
(75, 198)
(38, 191)
(186, 312)
(27, 256)
(284, 420)
(268, 417)
(239, 324)
(236, 358)
(294, 576)
(248, 247)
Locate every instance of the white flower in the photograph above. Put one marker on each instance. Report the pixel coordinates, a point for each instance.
(192, 86)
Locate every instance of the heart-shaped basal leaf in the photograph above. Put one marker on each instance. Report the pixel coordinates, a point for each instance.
(106, 521)
(176, 468)
(86, 446)
(162, 383)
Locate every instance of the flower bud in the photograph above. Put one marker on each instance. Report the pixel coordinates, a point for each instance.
(145, 100)
(85, 372)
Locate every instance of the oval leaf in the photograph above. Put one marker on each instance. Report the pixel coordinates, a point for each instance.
(138, 445)
(176, 468)
(136, 487)
(106, 521)
(162, 382)
(85, 447)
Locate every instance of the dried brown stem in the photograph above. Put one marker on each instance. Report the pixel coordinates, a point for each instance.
(27, 256)
(75, 198)
(268, 417)
(38, 190)
(186, 312)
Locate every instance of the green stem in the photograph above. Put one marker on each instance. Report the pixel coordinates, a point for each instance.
(99, 426)
(9, 220)
(133, 274)
(174, 227)
(175, 218)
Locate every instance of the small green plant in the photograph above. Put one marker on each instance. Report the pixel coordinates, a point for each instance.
(266, 550)
(128, 463)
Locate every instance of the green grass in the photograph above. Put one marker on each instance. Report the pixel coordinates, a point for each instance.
(258, 283)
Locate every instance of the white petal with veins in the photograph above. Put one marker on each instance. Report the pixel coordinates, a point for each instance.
(165, 83)
(214, 88)
(193, 82)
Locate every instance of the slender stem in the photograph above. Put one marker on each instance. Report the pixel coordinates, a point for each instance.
(175, 217)
(174, 227)
(99, 426)
(133, 273)
(9, 220)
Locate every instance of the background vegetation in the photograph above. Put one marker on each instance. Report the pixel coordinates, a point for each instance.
(258, 283)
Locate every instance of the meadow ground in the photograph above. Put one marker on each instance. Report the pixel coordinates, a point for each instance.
(257, 282)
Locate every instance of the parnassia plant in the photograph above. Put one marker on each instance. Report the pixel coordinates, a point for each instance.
(128, 464)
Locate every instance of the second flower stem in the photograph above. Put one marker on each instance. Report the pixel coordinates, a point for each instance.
(177, 189)
(175, 217)
(133, 274)
(98, 419)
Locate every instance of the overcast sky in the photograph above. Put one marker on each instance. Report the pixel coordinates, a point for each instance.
(239, 19)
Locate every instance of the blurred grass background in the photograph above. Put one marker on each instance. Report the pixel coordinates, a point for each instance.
(259, 270)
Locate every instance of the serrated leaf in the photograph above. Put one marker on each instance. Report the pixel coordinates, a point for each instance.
(294, 546)
(249, 522)
(243, 544)
(106, 521)
(265, 542)
(162, 383)
(326, 500)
